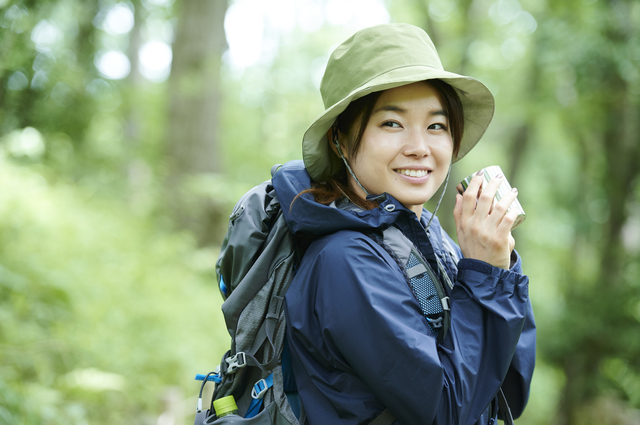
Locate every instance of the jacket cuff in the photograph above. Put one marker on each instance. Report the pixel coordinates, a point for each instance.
(479, 274)
(477, 265)
(486, 268)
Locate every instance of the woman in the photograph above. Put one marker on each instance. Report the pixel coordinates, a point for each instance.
(359, 339)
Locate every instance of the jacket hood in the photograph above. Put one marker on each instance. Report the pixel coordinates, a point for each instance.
(307, 217)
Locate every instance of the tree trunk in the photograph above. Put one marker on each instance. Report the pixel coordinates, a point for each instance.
(194, 95)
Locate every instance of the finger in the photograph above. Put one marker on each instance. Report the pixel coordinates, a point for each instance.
(475, 184)
(486, 199)
(470, 196)
(500, 209)
(505, 225)
(457, 210)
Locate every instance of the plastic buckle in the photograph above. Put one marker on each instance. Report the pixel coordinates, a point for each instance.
(445, 304)
(436, 323)
(236, 362)
(259, 389)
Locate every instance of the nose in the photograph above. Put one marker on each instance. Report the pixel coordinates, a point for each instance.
(417, 144)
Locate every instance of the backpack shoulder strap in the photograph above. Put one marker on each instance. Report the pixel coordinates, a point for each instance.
(425, 283)
(399, 243)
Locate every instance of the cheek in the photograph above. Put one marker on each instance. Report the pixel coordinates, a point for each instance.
(374, 151)
(445, 147)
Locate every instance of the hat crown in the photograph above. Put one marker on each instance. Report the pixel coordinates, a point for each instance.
(372, 52)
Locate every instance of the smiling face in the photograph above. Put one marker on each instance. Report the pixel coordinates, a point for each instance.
(406, 147)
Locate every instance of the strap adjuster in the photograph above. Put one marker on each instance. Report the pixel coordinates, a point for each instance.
(236, 362)
(261, 387)
(445, 304)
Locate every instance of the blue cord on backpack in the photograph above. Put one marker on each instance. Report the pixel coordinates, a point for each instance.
(223, 287)
(210, 377)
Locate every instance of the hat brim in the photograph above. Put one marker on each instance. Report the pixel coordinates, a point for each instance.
(477, 102)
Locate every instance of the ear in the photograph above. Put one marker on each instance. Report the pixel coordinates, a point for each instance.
(335, 136)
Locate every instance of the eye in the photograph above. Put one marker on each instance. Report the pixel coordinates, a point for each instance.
(438, 126)
(391, 124)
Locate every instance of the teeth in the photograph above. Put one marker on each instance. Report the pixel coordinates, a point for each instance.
(413, 173)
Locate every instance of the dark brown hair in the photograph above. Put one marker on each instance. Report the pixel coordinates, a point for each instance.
(337, 186)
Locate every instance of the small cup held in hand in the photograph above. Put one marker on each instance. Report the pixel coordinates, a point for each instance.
(505, 187)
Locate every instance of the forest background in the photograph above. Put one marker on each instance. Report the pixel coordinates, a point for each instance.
(129, 129)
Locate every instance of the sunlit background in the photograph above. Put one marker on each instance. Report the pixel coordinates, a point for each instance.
(253, 29)
(129, 129)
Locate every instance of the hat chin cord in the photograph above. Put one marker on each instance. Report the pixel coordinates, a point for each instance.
(337, 144)
(444, 189)
(346, 163)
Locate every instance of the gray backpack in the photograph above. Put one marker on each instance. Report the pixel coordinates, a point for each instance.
(256, 265)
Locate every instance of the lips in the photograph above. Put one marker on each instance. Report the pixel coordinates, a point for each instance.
(412, 173)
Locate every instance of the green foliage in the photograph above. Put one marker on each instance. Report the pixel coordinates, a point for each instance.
(43, 72)
(94, 307)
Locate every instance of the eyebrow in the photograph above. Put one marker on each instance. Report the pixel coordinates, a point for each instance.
(390, 108)
(395, 108)
(440, 112)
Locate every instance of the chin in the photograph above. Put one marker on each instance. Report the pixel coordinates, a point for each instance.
(411, 202)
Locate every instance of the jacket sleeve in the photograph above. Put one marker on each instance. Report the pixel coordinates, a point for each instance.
(374, 327)
(517, 383)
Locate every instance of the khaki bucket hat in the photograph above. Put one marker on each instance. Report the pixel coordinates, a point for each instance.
(380, 58)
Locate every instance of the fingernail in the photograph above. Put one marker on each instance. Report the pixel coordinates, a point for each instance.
(479, 173)
(514, 190)
(499, 176)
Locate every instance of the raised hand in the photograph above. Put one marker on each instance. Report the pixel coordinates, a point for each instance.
(483, 226)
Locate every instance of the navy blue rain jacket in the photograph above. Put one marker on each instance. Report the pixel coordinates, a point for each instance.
(359, 341)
